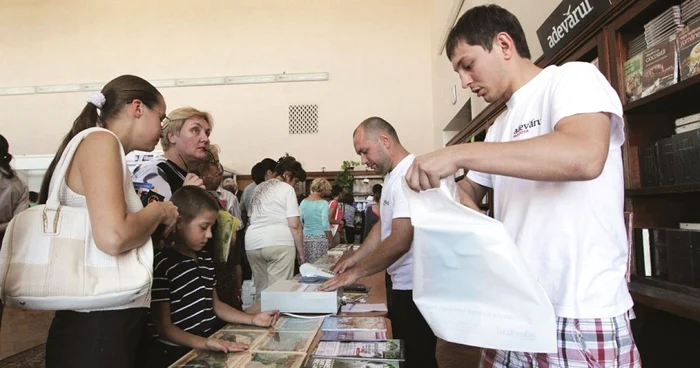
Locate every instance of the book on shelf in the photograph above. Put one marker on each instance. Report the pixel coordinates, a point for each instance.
(633, 77)
(687, 120)
(354, 324)
(351, 363)
(689, 49)
(660, 66)
(689, 226)
(686, 157)
(651, 252)
(687, 127)
(665, 162)
(648, 165)
(372, 350)
(689, 10)
(680, 262)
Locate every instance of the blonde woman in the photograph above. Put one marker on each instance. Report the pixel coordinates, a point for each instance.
(314, 216)
(185, 141)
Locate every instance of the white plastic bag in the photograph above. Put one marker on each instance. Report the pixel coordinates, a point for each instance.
(470, 282)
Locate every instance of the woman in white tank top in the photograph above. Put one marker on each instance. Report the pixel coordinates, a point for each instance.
(131, 110)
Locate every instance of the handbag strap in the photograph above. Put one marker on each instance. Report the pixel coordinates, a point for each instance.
(58, 180)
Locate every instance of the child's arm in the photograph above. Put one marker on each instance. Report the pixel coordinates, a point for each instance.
(232, 315)
(168, 331)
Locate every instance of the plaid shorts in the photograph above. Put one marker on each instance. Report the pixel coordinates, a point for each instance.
(597, 343)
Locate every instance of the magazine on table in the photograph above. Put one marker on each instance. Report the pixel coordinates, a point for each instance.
(354, 324)
(351, 363)
(371, 350)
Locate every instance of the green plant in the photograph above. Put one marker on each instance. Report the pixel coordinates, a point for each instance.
(345, 179)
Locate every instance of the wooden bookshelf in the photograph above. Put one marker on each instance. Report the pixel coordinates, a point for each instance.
(647, 120)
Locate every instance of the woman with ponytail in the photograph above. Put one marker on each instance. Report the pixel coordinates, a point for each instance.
(130, 111)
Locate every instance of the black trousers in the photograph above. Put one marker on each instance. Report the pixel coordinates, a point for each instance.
(350, 235)
(94, 339)
(409, 325)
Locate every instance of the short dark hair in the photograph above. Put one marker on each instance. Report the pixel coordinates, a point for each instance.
(376, 125)
(33, 196)
(289, 163)
(257, 174)
(192, 201)
(480, 25)
(336, 190)
(263, 166)
(377, 188)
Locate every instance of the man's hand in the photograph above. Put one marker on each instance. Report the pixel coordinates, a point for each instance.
(427, 170)
(341, 280)
(344, 264)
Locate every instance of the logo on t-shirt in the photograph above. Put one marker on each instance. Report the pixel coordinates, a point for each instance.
(385, 202)
(524, 128)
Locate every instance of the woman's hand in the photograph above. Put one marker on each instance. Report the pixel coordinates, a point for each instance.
(170, 215)
(193, 179)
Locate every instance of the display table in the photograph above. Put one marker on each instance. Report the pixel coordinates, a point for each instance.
(376, 295)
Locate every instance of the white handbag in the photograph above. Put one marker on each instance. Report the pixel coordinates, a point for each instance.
(49, 260)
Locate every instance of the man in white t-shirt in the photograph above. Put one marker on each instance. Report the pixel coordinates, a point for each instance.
(554, 162)
(388, 246)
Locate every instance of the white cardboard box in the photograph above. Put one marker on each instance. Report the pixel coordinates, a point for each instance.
(291, 296)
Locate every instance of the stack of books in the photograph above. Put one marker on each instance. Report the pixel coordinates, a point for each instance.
(637, 45)
(663, 26)
(689, 10)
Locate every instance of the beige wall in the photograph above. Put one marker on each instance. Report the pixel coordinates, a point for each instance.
(382, 57)
(531, 15)
(375, 51)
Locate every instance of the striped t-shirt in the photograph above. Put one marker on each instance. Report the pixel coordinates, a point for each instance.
(188, 286)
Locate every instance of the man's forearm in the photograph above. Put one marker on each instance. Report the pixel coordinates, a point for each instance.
(388, 252)
(550, 157)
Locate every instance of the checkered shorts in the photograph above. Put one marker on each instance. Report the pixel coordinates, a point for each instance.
(584, 343)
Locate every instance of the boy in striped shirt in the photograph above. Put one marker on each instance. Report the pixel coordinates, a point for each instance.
(184, 303)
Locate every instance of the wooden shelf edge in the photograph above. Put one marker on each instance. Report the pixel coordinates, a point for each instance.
(664, 94)
(671, 189)
(680, 304)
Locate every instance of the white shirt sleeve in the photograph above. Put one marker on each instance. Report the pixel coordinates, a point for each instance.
(399, 207)
(580, 88)
(292, 204)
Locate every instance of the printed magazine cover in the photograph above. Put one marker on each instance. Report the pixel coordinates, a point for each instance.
(349, 363)
(353, 336)
(378, 350)
(291, 342)
(298, 324)
(660, 67)
(689, 49)
(271, 360)
(354, 324)
(633, 77)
